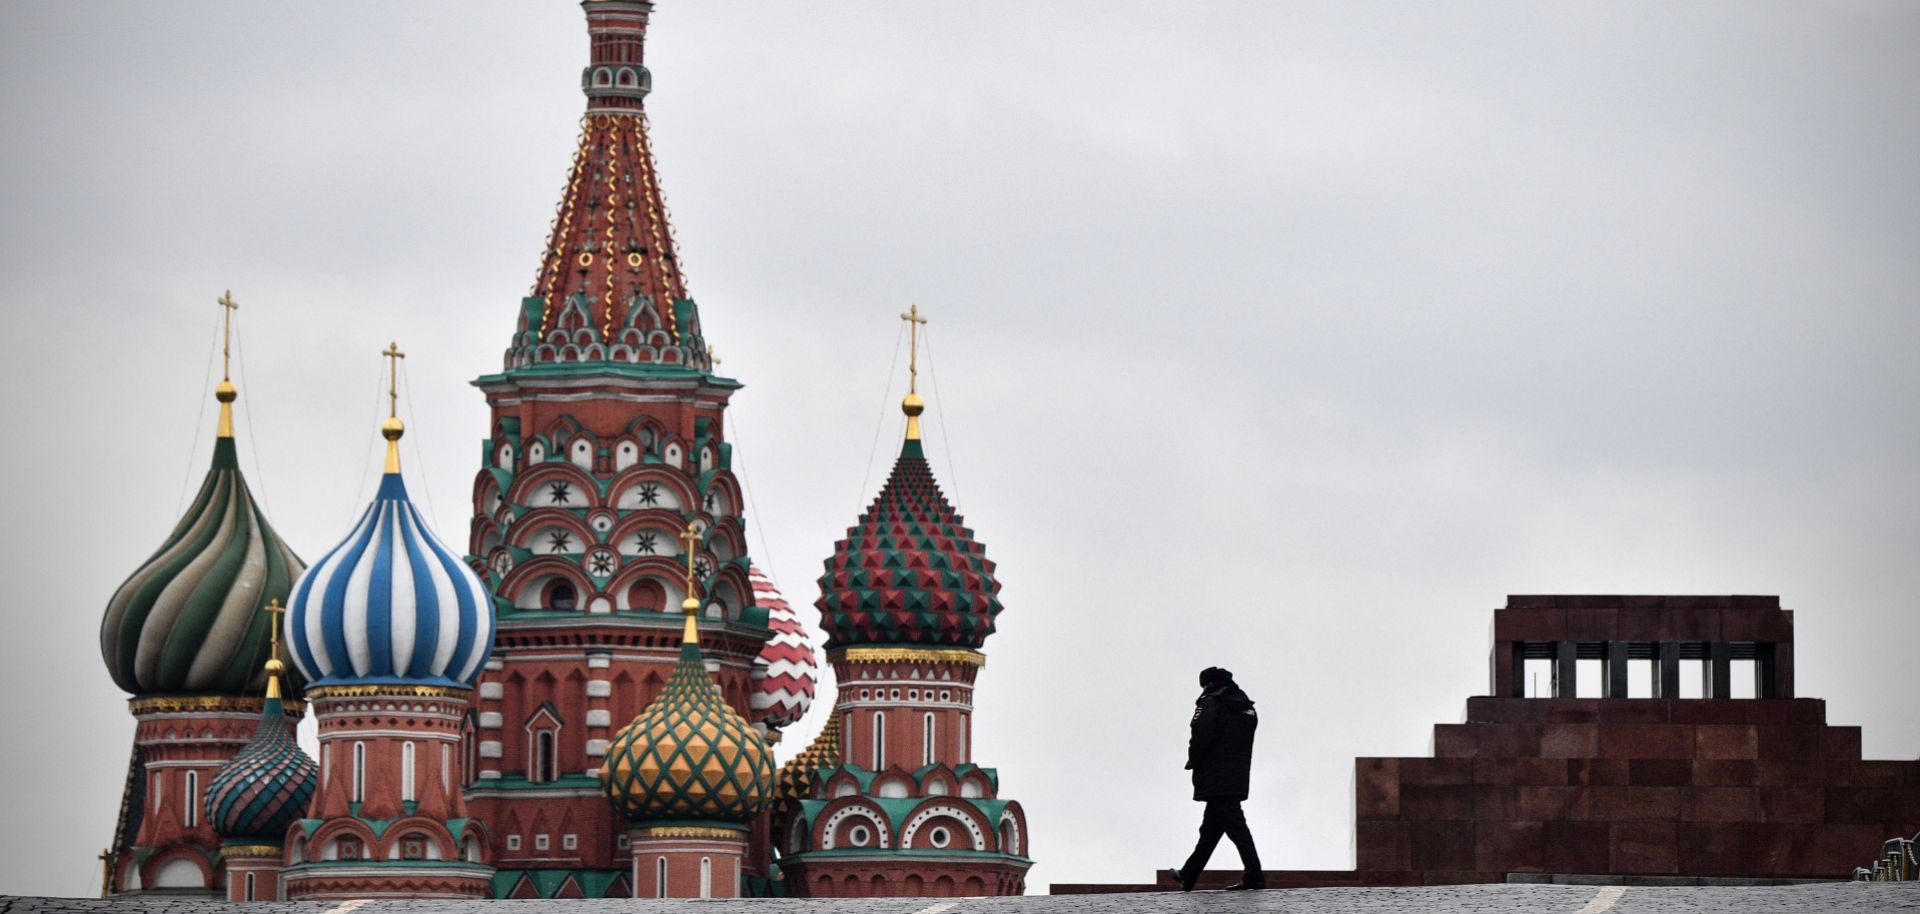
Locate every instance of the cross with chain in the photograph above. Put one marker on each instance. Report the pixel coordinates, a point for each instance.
(226, 332)
(274, 611)
(914, 320)
(393, 355)
(690, 537)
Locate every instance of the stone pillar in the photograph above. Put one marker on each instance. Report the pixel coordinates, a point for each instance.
(489, 719)
(1565, 670)
(696, 861)
(1616, 673)
(599, 707)
(1666, 671)
(1719, 669)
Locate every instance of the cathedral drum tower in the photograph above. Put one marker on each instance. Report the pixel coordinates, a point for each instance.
(888, 801)
(186, 636)
(607, 442)
(390, 629)
(689, 774)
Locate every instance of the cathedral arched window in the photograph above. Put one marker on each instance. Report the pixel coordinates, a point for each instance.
(560, 596)
(927, 732)
(407, 771)
(706, 877)
(879, 740)
(191, 816)
(543, 756)
(359, 792)
(647, 596)
(660, 877)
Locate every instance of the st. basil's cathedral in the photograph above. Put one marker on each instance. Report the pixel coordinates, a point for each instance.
(583, 703)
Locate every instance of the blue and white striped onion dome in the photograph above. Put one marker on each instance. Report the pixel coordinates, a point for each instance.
(390, 604)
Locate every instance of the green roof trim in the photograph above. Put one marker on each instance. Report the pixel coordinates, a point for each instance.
(621, 369)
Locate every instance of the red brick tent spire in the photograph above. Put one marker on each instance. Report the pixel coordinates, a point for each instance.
(607, 439)
(610, 286)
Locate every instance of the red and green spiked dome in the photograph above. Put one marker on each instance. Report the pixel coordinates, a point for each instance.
(189, 620)
(910, 574)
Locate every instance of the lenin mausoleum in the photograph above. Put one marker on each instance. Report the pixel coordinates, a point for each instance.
(581, 702)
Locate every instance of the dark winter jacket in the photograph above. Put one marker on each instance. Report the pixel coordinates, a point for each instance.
(1220, 751)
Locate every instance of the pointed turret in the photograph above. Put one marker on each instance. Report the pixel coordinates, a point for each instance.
(185, 635)
(610, 285)
(889, 796)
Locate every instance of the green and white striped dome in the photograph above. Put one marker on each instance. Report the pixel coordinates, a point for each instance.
(189, 621)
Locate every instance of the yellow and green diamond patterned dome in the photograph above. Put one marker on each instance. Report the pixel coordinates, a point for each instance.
(688, 757)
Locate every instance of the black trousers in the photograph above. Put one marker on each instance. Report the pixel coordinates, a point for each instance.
(1223, 817)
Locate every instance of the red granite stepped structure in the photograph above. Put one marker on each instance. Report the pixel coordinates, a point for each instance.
(1651, 786)
(1639, 782)
(898, 807)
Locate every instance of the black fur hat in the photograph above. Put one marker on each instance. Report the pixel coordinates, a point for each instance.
(1213, 675)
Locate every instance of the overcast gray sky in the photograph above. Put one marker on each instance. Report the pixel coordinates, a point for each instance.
(1289, 338)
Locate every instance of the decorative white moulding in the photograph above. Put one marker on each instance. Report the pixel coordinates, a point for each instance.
(492, 691)
(495, 664)
(490, 720)
(598, 661)
(599, 688)
(489, 748)
(600, 717)
(596, 748)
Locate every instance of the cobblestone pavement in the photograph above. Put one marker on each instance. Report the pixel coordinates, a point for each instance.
(1482, 899)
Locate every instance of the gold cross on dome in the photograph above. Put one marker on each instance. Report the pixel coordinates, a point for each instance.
(393, 355)
(691, 538)
(274, 611)
(914, 320)
(226, 332)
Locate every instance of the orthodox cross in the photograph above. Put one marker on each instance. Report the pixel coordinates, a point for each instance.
(226, 331)
(274, 611)
(393, 355)
(914, 320)
(691, 537)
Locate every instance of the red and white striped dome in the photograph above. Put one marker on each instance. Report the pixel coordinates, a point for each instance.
(785, 673)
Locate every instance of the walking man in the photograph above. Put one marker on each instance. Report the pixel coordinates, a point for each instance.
(1220, 754)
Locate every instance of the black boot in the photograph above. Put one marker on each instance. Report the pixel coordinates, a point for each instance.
(1179, 876)
(1249, 882)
